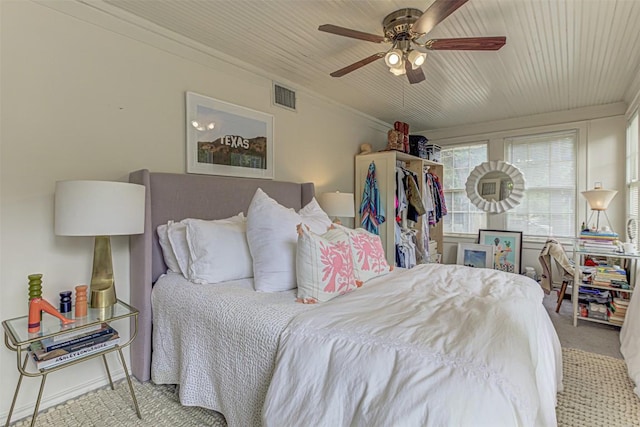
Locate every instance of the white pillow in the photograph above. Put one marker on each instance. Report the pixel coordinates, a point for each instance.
(313, 216)
(271, 234)
(167, 252)
(218, 250)
(369, 260)
(177, 233)
(324, 265)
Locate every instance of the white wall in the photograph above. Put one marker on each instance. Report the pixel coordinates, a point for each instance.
(601, 157)
(86, 96)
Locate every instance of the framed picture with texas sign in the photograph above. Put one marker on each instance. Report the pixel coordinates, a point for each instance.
(226, 139)
(507, 248)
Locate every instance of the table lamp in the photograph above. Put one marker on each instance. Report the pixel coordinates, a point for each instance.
(338, 204)
(599, 200)
(100, 209)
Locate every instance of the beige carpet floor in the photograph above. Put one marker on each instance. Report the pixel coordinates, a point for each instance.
(597, 392)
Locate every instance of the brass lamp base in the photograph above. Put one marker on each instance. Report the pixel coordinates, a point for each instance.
(102, 291)
(103, 297)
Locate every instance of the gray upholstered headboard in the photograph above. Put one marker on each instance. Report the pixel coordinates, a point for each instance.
(175, 197)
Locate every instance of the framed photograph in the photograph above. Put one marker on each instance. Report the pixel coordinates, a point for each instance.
(226, 139)
(490, 189)
(507, 248)
(475, 255)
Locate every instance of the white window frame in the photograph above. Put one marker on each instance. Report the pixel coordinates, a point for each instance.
(497, 152)
(549, 136)
(483, 142)
(633, 168)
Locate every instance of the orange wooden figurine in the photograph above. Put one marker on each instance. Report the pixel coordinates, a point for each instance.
(38, 305)
(81, 301)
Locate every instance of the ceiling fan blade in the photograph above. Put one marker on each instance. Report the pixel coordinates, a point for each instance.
(349, 68)
(435, 14)
(470, 43)
(414, 76)
(347, 32)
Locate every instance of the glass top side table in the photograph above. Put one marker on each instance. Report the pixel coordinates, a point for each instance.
(17, 338)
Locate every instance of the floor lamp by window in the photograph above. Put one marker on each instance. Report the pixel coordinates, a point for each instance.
(100, 209)
(599, 200)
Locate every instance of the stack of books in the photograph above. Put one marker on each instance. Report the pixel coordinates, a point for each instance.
(599, 241)
(52, 351)
(617, 310)
(613, 276)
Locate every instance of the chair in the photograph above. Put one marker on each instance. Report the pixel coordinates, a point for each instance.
(553, 249)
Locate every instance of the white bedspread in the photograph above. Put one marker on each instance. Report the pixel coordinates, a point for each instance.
(630, 340)
(438, 345)
(218, 342)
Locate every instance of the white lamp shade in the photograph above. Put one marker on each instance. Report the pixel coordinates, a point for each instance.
(599, 198)
(338, 204)
(99, 208)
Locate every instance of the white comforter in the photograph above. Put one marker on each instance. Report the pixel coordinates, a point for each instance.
(438, 345)
(630, 340)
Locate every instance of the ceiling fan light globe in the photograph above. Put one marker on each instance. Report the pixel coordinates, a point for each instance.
(397, 70)
(393, 57)
(416, 59)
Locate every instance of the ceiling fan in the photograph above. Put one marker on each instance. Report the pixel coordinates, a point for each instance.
(403, 29)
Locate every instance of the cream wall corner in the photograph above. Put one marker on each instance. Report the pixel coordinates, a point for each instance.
(87, 96)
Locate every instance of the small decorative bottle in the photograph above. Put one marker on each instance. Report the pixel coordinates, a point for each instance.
(81, 301)
(65, 302)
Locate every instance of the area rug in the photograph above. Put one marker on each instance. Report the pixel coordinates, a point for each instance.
(597, 392)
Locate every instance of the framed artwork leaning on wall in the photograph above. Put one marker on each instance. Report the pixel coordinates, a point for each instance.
(507, 248)
(475, 255)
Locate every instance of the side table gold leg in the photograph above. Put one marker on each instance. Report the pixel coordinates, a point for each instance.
(35, 410)
(15, 395)
(126, 372)
(106, 365)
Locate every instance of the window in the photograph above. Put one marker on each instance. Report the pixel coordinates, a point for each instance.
(633, 183)
(548, 163)
(459, 161)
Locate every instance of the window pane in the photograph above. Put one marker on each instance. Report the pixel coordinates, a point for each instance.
(459, 161)
(548, 163)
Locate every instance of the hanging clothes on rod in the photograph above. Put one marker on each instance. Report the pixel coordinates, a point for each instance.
(408, 195)
(437, 195)
(406, 254)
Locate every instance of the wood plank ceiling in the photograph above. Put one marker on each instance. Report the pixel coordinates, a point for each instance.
(560, 54)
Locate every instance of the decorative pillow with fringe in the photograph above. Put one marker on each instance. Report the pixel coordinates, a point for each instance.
(324, 265)
(369, 260)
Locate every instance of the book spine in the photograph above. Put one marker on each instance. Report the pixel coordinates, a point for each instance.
(75, 347)
(76, 332)
(79, 340)
(42, 364)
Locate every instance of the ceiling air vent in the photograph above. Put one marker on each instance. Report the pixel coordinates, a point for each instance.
(284, 97)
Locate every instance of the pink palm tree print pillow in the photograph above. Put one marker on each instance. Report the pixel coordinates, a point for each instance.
(369, 259)
(324, 265)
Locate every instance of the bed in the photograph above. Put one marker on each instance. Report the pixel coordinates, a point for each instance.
(630, 341)
(433, 345)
